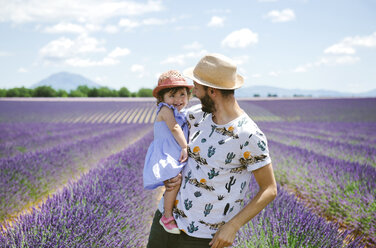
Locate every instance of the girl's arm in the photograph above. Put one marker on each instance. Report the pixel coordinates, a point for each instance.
(166, 114)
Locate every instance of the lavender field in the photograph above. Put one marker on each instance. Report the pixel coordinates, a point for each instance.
(71, 173)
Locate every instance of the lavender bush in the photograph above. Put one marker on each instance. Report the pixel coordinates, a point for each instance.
(322, 151)
(106, 208)
(286, 222)
(109, 208)
(364, 154)
(337, 189)
(28, 139)
(26, 178)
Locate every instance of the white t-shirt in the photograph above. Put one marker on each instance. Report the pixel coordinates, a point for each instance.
(217, 175)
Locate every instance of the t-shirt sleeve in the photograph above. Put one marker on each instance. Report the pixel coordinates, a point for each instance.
(194, 113)
(255, 151)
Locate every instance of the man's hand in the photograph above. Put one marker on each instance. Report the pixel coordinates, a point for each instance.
(170, 184)
(224, 237)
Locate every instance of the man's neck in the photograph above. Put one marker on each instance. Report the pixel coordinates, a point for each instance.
(226, 110)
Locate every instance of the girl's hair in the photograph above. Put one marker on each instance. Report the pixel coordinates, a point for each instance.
(172, 90)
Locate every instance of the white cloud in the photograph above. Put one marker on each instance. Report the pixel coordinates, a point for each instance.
(3, 54)
(60, 48)
(340, 49)
(328, 61)
(240, 38)
(22, 11)
(274, 73)
(193, 46)
(119, 52)
(346, 60)
(256, 75)
(267, 1)
(219, 11)
(181, 58)
(343, 52)
(157, 75)
(112, 29)
(79, 62)
(78, 52)
(240, 60)
(156, 21)
(100, 79)
(216, 21)
(281, 16)
(140, 69)
(346, 46)
(137, 68)
(127, 23)
(65, 28)
(302, 68)
(130, 24)
(22, 70)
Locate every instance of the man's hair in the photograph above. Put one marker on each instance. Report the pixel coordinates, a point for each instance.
(172, 91)
(225, 93)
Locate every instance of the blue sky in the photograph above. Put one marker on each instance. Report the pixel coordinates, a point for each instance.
(305, 44)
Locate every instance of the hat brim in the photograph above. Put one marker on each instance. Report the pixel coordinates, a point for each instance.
(239, 81)
(161, 87)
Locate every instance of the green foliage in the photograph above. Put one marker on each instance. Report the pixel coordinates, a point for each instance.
(144, 92)
(80, 91)
(18, 92)
(21, 149)
(124, 92)
(93, 92)
(3, 92)
(44, 91)
(76, 93)
(106, 92)
(61, 93)
(84, 89)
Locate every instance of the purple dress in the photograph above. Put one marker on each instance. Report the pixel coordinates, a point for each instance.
(161, 161)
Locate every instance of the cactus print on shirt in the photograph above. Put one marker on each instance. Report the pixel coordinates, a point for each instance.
(217, 175)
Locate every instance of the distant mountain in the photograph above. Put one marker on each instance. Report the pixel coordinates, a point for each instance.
(66, 81)
(264, 91)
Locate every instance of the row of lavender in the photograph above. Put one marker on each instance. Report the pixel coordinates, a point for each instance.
(328, 159)
(38, 155)
(363, 153)
(109, 208)
(28, 137)
(28, 177)
(77, 111)
(280, 151)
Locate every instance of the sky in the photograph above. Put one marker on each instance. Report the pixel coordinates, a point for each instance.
(293, 44)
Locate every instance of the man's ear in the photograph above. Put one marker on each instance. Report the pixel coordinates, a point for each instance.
(212, 91)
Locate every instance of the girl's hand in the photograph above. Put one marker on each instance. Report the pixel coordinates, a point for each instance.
(171, 183)
(183, 155)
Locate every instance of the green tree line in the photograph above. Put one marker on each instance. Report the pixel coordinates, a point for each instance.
(80, 91)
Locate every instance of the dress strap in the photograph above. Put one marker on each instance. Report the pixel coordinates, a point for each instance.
(161, 104)
(178, 115)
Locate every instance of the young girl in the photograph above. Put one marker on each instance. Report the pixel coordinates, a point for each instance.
(167, 154)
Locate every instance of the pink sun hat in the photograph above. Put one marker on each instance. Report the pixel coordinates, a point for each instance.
(170, 79)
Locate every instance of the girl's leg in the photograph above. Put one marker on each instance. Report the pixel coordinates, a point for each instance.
(169, 201)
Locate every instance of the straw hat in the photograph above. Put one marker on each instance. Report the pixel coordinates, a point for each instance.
(216, 71)
(170, 79)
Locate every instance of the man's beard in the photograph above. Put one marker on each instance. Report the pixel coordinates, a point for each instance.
(207, 104)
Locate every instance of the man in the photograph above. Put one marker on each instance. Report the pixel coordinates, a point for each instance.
(225, 148)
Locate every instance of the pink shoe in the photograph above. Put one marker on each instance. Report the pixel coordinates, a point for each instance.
(169, 225)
